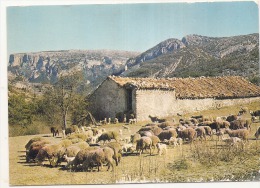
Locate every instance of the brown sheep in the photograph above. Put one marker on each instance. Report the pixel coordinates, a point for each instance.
(144, 143)
(155, 140)
(98, 156)
(135, 137)
(208, 130)
(188, 133)
(240, 133)
(156, 130)
(108, 136)
(232, 118)
(35, 139)
(167, 134)
(117, 148)
(146, 133)
(240, 124)
(201, 132)
(165, 124)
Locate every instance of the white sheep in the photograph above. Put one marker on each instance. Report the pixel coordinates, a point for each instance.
(132, 121)
(109, 121)
(173, 141)
(128, 148)
(162, 148)
(69, 160)
(116, 121)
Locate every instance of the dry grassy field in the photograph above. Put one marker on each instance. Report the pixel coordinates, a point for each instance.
(205, 161)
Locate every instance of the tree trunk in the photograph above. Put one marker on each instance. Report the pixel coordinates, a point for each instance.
(64, 122)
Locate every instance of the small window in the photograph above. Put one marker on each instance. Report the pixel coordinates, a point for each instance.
(129, 99)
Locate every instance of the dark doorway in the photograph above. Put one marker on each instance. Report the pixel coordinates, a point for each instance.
(129, 99)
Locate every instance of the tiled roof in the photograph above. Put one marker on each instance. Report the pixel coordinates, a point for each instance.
(201, 87)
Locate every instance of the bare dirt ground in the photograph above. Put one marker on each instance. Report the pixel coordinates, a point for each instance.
(181, 164)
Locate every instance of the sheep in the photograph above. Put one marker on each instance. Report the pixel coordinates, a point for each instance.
(156, 119)
(135, 137)
(257, 133)
(54, 131)
(179, 141)
(132, 121)
(68, 131)
(201, 132)
(145, 133)
(165, 124)
(69, 161)
(108, 136)
(240, 124)
(162, 148)
(104, 122)
(232, 118)
(188, 133)
(155, 140)
(219, 124)
(144, 143)
(208, 130)
(109, 121)
(116, 121)
(99, 156)
(240, 133)
(117, 151)
(128, 148)
(33, 152)
(167, 134)
(48, 151)
(81, 157)
(172, 141)
(35, 139)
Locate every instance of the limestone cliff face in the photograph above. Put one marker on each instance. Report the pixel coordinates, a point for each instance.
(46, 67)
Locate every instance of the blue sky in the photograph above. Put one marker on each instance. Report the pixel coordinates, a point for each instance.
(132, 27)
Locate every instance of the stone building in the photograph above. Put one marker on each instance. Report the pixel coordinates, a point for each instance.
(168, 96)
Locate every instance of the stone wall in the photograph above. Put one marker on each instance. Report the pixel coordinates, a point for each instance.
(155, 103)
(163, 103)
(107, 100)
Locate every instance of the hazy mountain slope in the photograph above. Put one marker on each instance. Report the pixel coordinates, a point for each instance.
(203, 56)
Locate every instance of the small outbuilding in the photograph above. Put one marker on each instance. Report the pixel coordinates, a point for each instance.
(167, 96)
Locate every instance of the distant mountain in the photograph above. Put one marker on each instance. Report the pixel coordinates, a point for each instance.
(28, 70)
(197, 55)
(192, 56)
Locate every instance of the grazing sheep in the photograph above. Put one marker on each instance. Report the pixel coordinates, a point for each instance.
(144, 143)
(117, 148)
(35, 139)
(232, 118)
(135, 138)
(194, 121)
(155, 140)
(208, 130)
(219, 124)
(69, 161)
(257, 133)
(128, 148)
(220, 133)
(81, 157)
(172, 141)
(201, 133)
(108, 136)
(33, 152)
(188, 133)
(99, 156)
(165, 124)
(54, 131)
(240, 124)
(146, 133)
(240, 133)
(167, 134)
(162, 148)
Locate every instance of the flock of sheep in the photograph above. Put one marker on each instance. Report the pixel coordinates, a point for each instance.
(90, 147)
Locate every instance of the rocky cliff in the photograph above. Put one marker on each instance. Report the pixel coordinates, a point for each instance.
(46, 67)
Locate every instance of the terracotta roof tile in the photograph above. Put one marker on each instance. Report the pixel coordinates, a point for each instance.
(201, 87)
